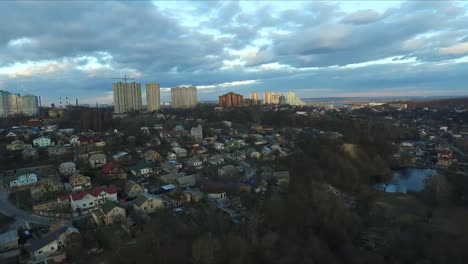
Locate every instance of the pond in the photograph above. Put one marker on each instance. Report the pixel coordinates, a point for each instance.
(408, 180)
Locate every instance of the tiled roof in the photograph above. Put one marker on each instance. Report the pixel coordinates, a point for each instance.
(78, 195)
(94, 192)
(107, 189)
(141, 199)
(108, 167)
(50, 237)
(108, 206)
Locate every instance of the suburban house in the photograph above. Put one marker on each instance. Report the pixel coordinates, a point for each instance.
(83, 200)
(171, 156)
(151, 156)
(74, 140)
(23, 180)
(122, 156)
(97, 160)
(79, 182)
(67, 168)
(186, 181)
(171, 166)
(109, 213)
(17, 145)
(200, 150)
(218, 146)
(133, 189)
(238, 156)
(114, 171)
(216, 194)
(193, 195)
(444, 157)
(52, 243)
(180, 152)
(11, 135)
(194, 163)
(46, 185)
(216, 160)
(227, 171)
(57, 151)
(147, 203)
(213, 190)
(42, 142)
(141, 169)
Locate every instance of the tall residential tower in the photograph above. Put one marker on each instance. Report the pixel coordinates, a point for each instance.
(153, 97)
(184, 97)
(127, 97)
(11, 104)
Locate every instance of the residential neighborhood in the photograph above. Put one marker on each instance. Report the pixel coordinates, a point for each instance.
(178, 166)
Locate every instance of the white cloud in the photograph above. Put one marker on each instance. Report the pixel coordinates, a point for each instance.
(227, 84)
(21, 42)
(28, 69)
(457, 49)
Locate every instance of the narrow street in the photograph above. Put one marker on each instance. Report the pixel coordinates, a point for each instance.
(20, 216)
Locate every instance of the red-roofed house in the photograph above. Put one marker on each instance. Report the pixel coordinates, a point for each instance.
(214, 190)
(83, 200)
(444, 157)
(114, 171)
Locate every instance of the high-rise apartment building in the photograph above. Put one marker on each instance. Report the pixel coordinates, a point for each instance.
(292, 99)
(275, 98)
(127, 97)
(153, 97)
(14, 104)
(267, 98)
(231, 100)
(184, 97)
(30, 105)
(254, 96)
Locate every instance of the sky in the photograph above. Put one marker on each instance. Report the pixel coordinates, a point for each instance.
(316, 49)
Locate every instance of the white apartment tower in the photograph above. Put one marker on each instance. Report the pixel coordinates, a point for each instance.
(184, 97)
(292, 99)
(11, 104)
(254, 96)
(29, 105)
(153, 97)
(127, 97)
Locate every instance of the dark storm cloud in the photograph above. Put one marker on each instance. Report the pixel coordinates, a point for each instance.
(84, 44)
(136, 34)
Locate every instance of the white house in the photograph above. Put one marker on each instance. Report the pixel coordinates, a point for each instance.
(42, 142)
(74, 140)
(218, 146)
(216, 160)
(52, 243)
(141, 169)
(180, 152)
(87, 200)
(97, 160)
(171, 156)
(24, 180)
(216, 195)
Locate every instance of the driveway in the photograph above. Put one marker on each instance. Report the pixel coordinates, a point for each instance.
(19, 215)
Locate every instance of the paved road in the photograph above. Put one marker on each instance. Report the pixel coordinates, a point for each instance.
(20, 216)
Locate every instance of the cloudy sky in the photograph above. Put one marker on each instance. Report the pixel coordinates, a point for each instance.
(316, 49)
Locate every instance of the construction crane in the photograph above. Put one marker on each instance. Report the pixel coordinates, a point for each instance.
(124, 78)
